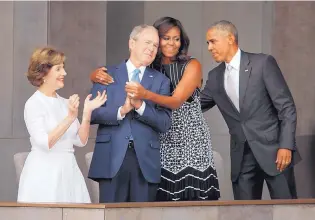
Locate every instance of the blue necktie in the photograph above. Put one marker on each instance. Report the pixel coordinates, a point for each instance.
(135, 76)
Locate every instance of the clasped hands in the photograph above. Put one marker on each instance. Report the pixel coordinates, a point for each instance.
(134, 97)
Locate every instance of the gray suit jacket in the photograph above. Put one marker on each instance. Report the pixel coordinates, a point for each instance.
(267, 117)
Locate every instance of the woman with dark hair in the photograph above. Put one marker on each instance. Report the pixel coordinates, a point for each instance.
(188, 171)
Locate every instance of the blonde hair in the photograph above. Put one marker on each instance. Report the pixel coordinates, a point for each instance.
(42, 60)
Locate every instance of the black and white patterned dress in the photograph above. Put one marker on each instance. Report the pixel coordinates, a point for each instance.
(188, 171)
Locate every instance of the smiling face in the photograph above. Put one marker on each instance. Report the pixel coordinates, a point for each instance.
(170, 43)
(55, 77)
(46, 68)
(143, 47)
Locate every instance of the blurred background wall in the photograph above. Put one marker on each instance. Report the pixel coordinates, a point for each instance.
(96, 33)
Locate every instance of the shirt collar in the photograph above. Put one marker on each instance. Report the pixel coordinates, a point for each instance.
(236, 60)
(131, 67)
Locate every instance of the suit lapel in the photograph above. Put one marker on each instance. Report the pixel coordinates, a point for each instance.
(244, 74)
(220, 78)
(122, 74)
(147, 78)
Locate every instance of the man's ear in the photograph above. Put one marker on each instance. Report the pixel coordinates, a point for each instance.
(231, 39)
(131, 44)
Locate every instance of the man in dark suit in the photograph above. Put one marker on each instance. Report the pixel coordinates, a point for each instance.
(256, 103)
(126, 158)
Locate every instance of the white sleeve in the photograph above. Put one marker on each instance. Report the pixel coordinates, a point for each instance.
(119, 117)
(141, 109)
(77, 140)
(34, 117)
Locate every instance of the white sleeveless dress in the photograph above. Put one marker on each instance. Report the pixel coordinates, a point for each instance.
(51, 175)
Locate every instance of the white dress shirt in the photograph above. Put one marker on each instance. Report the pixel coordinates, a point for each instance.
(130, 69)
(234, 73)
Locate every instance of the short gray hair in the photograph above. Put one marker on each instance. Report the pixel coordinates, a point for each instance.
(138, 30)
(226, 26)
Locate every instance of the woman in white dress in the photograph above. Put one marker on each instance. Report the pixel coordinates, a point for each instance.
(51, 173)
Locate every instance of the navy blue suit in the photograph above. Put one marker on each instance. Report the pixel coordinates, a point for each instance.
(111, 147)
